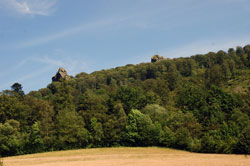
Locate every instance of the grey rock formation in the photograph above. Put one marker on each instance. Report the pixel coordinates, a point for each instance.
(157, 58)
(61, 74)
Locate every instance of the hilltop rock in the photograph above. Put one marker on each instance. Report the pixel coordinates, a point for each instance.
(61, 74)
(157, 58)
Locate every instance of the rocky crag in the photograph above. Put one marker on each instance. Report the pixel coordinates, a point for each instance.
(157, 58)
(61, 74)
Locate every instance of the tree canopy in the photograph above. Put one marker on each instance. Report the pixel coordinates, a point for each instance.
(200, 104)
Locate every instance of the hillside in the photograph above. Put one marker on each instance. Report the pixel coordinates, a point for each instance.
(127, 157)
(199, 104)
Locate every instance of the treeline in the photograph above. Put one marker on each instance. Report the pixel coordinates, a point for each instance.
(199, 104)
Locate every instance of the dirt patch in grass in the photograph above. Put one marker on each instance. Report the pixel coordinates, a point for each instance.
(127, 157)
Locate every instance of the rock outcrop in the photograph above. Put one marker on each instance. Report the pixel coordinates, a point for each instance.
(157, 58)
(61, 74)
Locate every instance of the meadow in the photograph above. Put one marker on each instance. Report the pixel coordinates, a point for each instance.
(127, 157)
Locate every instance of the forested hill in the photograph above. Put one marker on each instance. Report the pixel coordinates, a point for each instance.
(200, 104)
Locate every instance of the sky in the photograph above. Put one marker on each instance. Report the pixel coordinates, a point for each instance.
(39, 36)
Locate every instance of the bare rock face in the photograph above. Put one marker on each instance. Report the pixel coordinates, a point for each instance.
(61, 74)
(157, 58)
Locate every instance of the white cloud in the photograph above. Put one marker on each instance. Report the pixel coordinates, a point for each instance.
(73, 66)
(47, 67)
(29, 7)
(67, 32)
(60, 58)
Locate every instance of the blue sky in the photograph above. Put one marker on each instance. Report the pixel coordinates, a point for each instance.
(39, 36)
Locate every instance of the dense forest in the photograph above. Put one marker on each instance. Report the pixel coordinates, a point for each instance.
(200, 104)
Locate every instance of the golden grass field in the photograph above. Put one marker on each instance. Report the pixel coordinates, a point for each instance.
(127, 157)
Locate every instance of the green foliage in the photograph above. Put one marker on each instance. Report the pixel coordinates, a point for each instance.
(173, 77)
(186, 66)
(199, 104)
(36, 143)
(182, 138)
(140, 129)
(167, 137)
(91, 101)
(70, 130)
(16, 87)
(10, 138)
(96, 132)
(244, 142)
(12, 107)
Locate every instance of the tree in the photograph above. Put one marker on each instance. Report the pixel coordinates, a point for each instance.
(191, 97)
(158, 88)
(140, 129)
(156, 113)
(243, 145)
(96, 132)
(13, 108)
(167, 137)
(45, 113)
(10, 138)
(172, 77)
(243, 55)
(185, 66)
(36, 142)
(16, 87)
(214, 75)
(62, 98)
(247, 51)
(239, 51)
(90, 101)
(114, 128)
(221, 57)
(183, 139)
(70, 130)
(131, 98)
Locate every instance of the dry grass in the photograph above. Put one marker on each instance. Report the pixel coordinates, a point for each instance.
(127, 157)
(1, 161)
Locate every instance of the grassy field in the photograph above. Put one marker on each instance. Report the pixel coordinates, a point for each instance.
(127, 157)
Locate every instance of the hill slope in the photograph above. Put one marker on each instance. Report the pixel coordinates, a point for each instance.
(199, 104)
